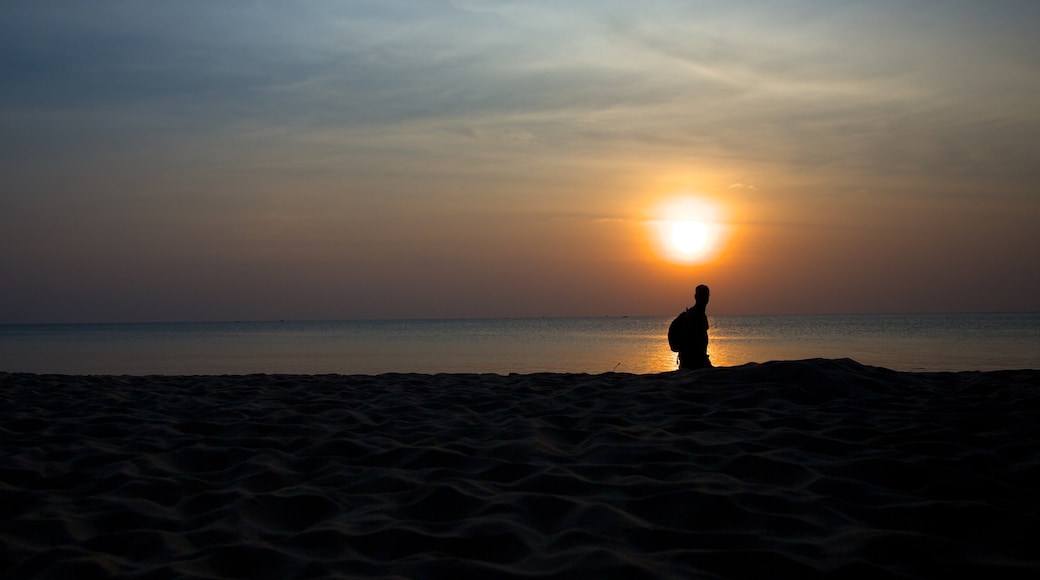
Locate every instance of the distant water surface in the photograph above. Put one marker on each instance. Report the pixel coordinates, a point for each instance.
(953, 342)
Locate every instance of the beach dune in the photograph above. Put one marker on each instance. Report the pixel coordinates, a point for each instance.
(794, 469)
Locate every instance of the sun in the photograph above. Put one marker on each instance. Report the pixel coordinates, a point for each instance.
(687, 230)
(688, 237)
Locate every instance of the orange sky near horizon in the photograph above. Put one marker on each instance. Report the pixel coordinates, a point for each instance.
(494, 158)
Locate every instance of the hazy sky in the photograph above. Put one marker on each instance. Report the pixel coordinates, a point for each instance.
(201, 160)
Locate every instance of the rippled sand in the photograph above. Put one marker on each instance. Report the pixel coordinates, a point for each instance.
(781, 470)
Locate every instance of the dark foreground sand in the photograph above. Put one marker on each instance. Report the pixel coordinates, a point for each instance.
(778, 470)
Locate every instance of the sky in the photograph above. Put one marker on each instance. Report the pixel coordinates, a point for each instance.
(200, 160)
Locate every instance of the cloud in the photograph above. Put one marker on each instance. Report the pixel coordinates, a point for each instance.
(715, 82)
(498, 6)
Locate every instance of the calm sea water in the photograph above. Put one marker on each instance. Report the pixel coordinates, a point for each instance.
(953, 342)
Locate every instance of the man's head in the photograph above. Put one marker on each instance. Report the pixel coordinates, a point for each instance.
(701, 294)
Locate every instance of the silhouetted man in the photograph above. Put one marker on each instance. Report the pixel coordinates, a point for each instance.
(688, 334)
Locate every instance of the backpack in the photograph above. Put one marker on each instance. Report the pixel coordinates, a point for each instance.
(677, 332)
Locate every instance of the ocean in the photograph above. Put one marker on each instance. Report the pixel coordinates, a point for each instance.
(924, 342)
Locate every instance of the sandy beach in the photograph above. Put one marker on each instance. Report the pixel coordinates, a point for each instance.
(799, 469)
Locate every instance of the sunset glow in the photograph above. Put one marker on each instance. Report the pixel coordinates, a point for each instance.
(168, 161)
(687, 230)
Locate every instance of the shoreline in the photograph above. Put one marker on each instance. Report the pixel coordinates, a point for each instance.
(923, 373)
(810, 468)
(577, 345)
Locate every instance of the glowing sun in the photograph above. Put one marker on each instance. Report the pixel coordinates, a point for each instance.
(689, 237)
(687, 230)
